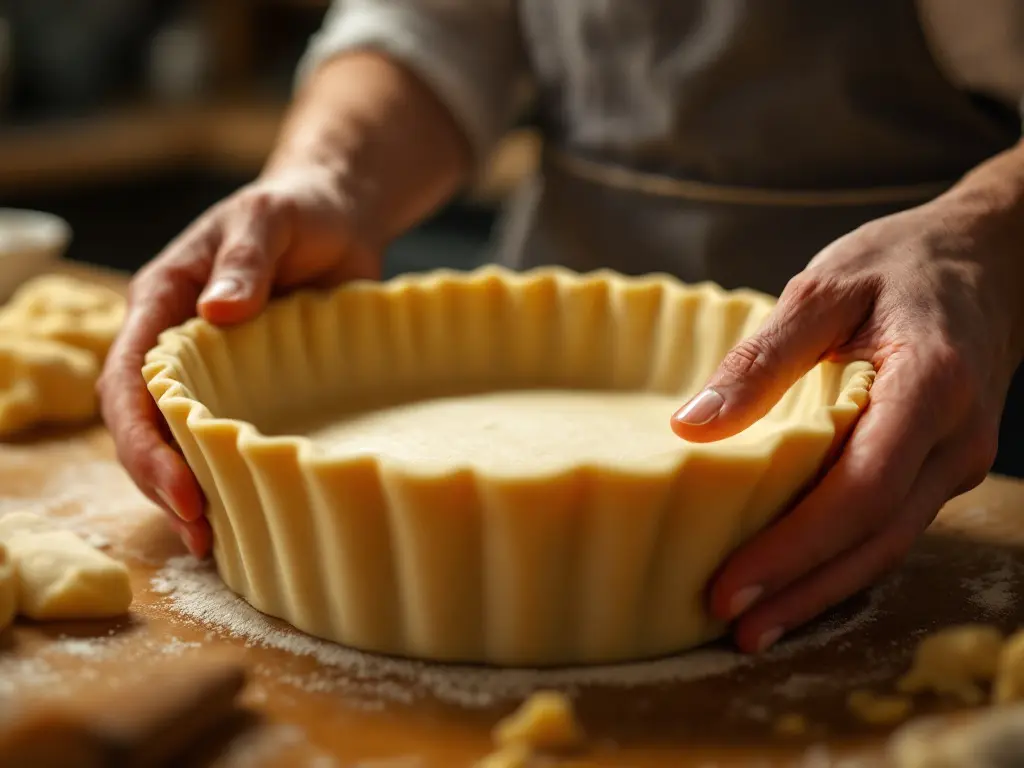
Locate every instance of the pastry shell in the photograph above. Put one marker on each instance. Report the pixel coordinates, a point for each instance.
(563, 563)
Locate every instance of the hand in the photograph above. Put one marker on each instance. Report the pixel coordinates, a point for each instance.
(285, 230)
(923, 295)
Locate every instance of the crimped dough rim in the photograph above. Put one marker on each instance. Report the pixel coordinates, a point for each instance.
(166, 382)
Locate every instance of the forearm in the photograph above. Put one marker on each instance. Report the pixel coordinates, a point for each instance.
(394, 150)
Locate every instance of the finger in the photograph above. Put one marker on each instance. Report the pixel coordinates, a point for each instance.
(855, 569)
(244, 266)
(161, 297)
(871, 477)
(197, 536)
(810, 318)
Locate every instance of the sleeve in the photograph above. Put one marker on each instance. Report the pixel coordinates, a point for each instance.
(469, 52)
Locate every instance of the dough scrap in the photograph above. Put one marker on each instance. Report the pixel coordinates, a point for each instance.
(59, 575)
(1009, 683)
(994, 739)
(544, 723)
(8, 588)
(44, 381)
(953, 661)
(55, 333)
(878, 709)
(59, 308)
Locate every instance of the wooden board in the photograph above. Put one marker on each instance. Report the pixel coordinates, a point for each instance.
(316, 704)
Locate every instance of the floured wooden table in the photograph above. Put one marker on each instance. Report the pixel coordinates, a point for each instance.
(313, 703)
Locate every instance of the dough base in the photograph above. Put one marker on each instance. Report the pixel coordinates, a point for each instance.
(479, 467)
(512, 431)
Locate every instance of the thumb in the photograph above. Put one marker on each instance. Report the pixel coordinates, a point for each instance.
(807, 322)
(255, 238)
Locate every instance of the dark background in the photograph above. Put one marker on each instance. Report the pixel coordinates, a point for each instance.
(91, 130)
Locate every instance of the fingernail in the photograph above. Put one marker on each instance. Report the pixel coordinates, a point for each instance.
(768, 639)
(743, 599)
(701, 409)
(224, 288)
(168, 503)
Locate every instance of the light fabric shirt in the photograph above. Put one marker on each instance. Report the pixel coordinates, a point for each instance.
(472, 55)
(723, 140)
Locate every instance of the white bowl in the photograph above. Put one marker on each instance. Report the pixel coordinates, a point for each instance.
(30, 243)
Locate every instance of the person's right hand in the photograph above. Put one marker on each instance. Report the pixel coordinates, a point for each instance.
(283, 231)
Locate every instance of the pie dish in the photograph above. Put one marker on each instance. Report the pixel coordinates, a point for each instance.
(478, 467)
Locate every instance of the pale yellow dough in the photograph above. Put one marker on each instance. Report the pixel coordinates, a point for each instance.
(953, 661)
(59, 575)
(44, 382)
(74, 312)
(479, 466)
(543, 724)
(8, 588)
(54, 335)
(879, 709)
(1009, 683)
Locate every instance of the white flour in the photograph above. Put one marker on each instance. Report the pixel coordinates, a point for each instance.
(196, 593)
(994, 592)
(92, 497)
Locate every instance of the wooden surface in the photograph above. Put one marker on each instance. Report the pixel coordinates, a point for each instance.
(324, 706)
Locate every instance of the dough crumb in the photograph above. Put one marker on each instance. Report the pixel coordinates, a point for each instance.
(544, 723)
(953, 661)
(791, 724)
(514, 756)
(59, 575)
(1009, 683)
(878, 709)
(55, 333)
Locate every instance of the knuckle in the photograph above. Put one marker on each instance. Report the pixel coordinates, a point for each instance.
(243, 257)
(265, 203)
(802, 289)
(950, 383)
(980, 451)
(750, 358)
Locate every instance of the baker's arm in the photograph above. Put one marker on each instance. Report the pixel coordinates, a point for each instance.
(401, 99)
(397, 100)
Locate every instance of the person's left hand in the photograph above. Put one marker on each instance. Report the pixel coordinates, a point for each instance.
(925, 296)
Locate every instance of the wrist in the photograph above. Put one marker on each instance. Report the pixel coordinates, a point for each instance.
(380, 136)
(984, 217)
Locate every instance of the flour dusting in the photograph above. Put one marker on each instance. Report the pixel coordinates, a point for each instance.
(994, 592)
(94, 498)
(196, 593)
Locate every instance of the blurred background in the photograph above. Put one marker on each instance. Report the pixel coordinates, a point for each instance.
(130, 117)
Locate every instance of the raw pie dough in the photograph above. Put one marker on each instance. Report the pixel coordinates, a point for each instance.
(479, 466)
(954, 660)
(60, 576)
(54, 335)
(544, 724)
